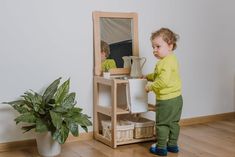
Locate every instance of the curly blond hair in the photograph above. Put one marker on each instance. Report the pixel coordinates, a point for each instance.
(167, 35)
(105, 48)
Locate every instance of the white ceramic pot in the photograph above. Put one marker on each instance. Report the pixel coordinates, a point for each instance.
(47, 147)
(106, 75)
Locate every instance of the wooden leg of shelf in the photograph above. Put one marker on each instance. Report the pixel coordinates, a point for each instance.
(114, 115)
(95, 113)
(101, 138)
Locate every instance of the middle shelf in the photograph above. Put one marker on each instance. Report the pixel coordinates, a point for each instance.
(119, 110)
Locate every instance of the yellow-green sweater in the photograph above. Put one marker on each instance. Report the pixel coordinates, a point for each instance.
(108, 64)
(166, 82)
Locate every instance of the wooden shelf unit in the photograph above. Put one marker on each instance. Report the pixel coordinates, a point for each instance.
(113, 111)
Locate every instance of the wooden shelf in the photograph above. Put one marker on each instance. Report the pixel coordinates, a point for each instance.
(137, 140)
(152, 107)
(108, 142)
(110, 81)
(122, 111)
(103, 139)
(108, 110)
(112, 111)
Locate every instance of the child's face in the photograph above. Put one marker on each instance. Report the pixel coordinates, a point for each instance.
(161, 48)
(103, 56)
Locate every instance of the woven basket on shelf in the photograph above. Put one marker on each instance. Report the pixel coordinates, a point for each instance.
(124, 130)
(144, 128)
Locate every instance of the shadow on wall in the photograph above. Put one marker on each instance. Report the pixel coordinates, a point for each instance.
(9, 131)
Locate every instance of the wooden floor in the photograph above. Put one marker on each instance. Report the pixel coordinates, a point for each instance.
(215, 139)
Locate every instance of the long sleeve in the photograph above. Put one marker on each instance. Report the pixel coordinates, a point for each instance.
(150, 77)
(166, 82)
(162, 78)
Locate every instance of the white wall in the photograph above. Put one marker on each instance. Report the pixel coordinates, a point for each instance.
(42, 40)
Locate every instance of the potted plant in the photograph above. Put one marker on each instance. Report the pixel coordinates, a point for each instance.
(106, 73)
(53, 115)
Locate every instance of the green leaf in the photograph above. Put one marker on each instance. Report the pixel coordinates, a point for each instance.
(61, 135)
(73, 127)
(41, 126)
(56, 119)
(27, 128)
(50, 106)
(36, 107)
(26, 117)
(41, 111)
(17, 102)
(62, 92)
(52, 101)
(71, 113)
(60, 110)
(85, 128)
(37, 102)
(21, 109)
(26, 102)
(50, 91)
(20, 105)
(82, 120)
(28, 96)
(69, 101)
(77, 110)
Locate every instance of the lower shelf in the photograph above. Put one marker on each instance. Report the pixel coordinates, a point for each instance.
(104, 140)
(136, 141)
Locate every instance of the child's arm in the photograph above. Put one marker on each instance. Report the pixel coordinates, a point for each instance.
(150, 77)
(162, 80)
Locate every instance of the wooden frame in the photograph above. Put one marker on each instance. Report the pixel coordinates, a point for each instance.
(96, 23)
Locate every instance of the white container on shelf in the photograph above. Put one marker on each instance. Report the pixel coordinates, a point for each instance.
(137, 97)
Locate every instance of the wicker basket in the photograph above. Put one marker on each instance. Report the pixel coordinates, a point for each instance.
(124, 130)
(144, 128)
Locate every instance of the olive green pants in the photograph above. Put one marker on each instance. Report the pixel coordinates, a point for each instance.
(168, 113)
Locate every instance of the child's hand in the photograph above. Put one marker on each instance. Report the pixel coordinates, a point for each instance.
(143, 77)
(146, 89)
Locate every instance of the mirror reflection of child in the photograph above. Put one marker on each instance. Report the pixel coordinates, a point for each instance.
(106, 64)
(166, 84)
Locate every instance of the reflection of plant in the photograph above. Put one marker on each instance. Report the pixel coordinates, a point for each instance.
(52, 111)
(106, 69)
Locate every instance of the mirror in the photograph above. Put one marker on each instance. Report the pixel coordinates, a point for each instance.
(115, 36)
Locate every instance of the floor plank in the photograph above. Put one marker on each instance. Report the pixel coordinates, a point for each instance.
(216, 139)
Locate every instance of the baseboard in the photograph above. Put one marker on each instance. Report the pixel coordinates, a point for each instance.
(81, 137)
(32, 142)
(207, 119)
(88, 136)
